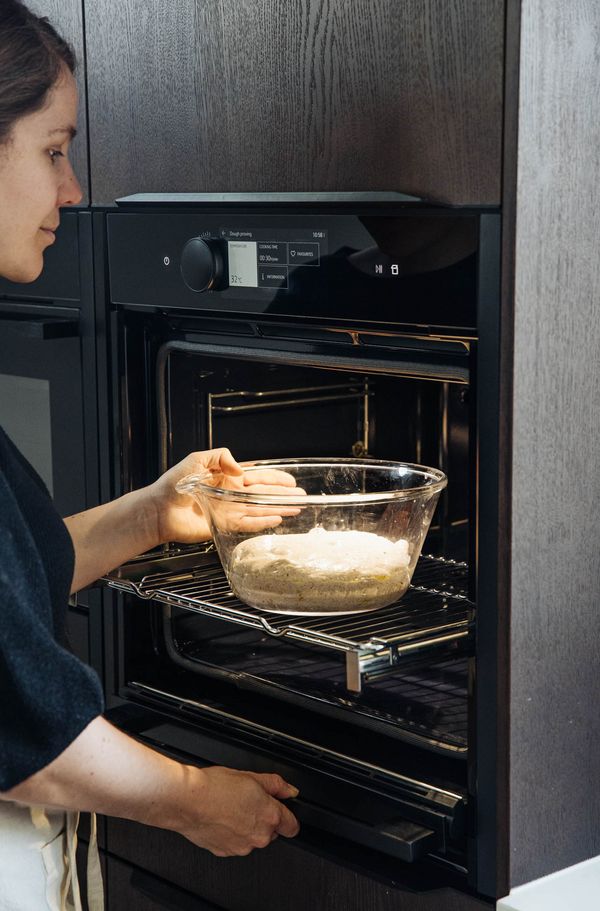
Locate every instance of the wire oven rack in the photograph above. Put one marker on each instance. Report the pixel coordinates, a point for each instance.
(433, 616)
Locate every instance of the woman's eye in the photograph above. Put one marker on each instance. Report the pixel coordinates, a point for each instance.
(54, 155)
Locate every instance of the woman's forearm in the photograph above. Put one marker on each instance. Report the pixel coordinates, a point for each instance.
(105, 771)
(108, 535)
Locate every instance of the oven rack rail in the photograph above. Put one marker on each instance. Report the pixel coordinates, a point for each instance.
(433, 616)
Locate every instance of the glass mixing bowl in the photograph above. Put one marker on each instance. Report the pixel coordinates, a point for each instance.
(346, 539)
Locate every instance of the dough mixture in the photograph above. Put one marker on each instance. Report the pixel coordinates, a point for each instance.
(320, 572)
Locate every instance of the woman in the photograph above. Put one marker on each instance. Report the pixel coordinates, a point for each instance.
(57, 753)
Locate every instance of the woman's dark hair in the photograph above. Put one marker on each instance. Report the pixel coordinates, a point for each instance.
(32, 55)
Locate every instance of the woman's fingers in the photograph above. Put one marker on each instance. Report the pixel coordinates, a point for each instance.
(219, 460)
(274, 784)
(288, 826)
(240, 811)
(228, 465)
(274, 490)
(251, 523)
(280, 789)
(269, 476)
(252, 509)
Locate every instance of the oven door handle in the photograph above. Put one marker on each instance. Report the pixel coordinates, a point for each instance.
(44, 327)
(397, 837)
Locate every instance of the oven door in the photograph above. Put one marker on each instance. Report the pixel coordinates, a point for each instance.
(41, 406)
(392, 813)
(47, 404)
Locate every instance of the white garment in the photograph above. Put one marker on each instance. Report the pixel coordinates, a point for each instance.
(37, 861)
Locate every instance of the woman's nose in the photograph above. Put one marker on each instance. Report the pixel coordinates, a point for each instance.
(70, 193)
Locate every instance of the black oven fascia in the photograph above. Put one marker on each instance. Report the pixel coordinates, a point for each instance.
(152, 310)
(48, 398)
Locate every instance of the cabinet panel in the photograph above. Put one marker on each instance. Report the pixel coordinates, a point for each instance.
(555, 622)
(67, 18)
(223, 95)
(286, 876)
(130, 889)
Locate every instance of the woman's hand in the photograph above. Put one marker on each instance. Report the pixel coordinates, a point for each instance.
(231, 813)
(106, 771)
(109, 535)
(180, 518)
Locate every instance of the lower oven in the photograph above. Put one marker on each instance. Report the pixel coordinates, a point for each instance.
(383, 720)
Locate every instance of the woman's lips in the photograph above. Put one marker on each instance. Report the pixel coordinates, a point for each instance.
(49, 233)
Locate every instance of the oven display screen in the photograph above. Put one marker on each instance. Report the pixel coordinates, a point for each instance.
(258, 260)
(243, 264)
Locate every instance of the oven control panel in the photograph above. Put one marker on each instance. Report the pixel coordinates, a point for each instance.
(257, 258)
(202, 264)
(267, 263)
(417, 268)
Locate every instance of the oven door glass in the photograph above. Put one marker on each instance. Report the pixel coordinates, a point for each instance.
(41, 398)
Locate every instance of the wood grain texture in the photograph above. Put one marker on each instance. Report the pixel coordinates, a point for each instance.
(250, 95)
(555, 637)
(67, 18)
(122, 894)
(283, 877)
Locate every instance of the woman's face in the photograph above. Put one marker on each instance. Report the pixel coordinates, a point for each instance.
(36, 178)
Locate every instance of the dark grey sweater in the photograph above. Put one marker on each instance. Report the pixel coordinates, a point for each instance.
(47, 696)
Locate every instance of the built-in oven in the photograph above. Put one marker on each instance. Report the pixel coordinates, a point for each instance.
(48, 400)
(341, 325)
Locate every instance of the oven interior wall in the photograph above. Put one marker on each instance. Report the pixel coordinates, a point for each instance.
(261, 410)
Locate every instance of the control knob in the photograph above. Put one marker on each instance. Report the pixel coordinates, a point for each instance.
(202, 264)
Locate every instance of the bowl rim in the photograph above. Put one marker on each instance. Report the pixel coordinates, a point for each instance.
(196, 483)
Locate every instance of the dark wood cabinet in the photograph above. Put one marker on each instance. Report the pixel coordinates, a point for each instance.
(131, 889)
(218, 95)
(67, 17)
(555, 587)
(286, 876)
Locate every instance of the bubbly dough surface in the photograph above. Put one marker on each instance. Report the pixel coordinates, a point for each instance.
(320, 572)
